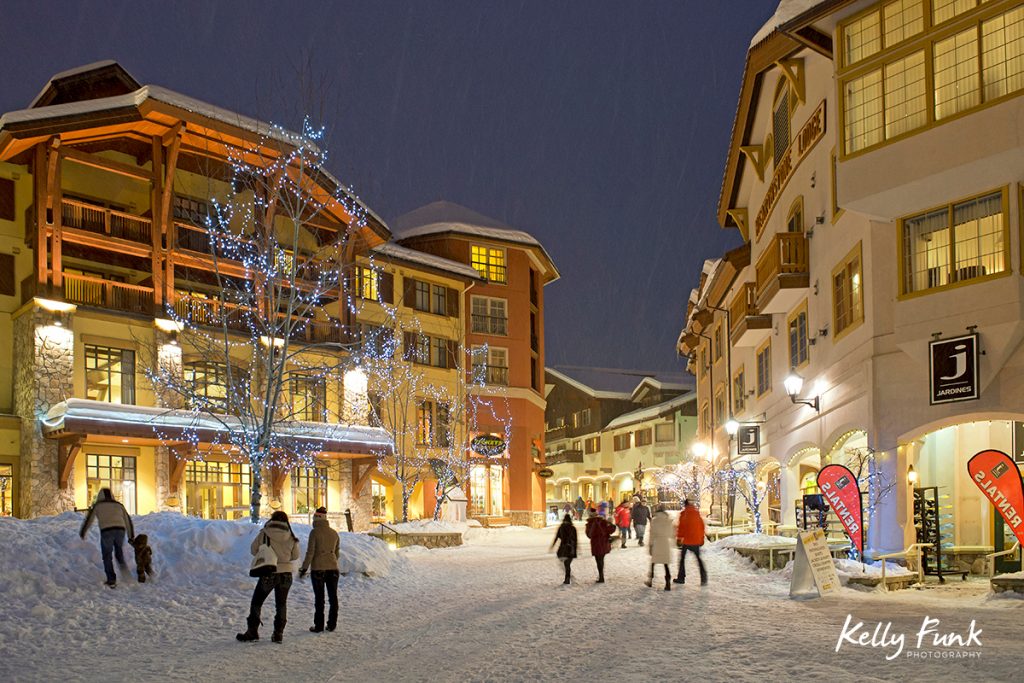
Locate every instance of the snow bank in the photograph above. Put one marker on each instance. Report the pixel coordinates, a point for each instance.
(429, 526)
(754, 541)
(46, 556)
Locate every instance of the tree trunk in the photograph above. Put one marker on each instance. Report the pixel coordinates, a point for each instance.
(439, 498)
(255, 495)
(406, 495)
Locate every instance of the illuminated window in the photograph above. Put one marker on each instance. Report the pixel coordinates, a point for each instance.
(798, 337)
(489, 315)
(217, 490)
(425, 423)
(592, 445)
(209, 382)
(367, 283)
(720, 408)
(309, 489)
(943, 10)
(621, 441)
(935, 256)
(848, 293)
(114, 472)
(956, 73)
(309, 397)
(490, 263)
(861, 38)
(1002, 54)
(764, 368)
(862, 111)
(490, 365)
(901, 20)
(739, 392)
(378, 501)
(109, 374)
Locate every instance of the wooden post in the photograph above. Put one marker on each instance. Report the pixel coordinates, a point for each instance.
(39, 200)
(157, 226)
(53, 210)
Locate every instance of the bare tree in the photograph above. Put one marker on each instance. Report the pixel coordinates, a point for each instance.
(690, 480)
(747, 479)
(268, 352)
(874, 483)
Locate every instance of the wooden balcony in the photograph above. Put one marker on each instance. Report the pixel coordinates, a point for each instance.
(79, 215)
(749, 326)
(564, 457)
(783, 273)
(85, 290)
(213, 313)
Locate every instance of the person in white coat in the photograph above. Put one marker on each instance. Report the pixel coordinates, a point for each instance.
(278, 531)
(661, 541)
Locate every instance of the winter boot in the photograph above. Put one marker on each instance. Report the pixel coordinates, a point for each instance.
(668, 584)
(278, 635)
(252, 632)
(648, 583)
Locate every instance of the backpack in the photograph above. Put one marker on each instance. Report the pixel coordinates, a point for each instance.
(265, 561)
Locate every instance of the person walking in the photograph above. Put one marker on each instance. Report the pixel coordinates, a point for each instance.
(622, 521)
(277, 532)
(566, 538)
(114, 522)
(579, 507)
(660, 547)
(640, 514)
(322, 551)
(690, 537)
(599, 531)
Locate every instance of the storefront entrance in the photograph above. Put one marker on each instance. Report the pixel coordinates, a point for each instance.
(6, 490)
(217, 490)
(486, 484)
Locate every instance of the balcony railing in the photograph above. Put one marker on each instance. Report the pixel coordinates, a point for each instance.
(489, 324)
(786, 255)
(563, 457)
(119, 296)
(744, 303)
(491, 374)
(103, 221)
(214, 313)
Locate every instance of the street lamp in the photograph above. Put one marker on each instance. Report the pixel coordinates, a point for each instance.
(731, 427)
(794, 383)
(699, 449)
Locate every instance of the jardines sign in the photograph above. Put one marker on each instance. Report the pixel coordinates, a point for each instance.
(488, 445)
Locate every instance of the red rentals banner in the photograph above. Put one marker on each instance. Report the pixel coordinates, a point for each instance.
(842, 492)
(997, 476)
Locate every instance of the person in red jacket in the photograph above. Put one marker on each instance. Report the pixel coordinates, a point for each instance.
(690, 537)
(622, 521)
(599, 531)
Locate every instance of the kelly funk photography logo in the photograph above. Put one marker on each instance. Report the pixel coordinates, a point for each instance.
(931, 641)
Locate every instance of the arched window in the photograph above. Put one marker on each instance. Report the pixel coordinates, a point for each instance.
(795, 217)
(780, 121)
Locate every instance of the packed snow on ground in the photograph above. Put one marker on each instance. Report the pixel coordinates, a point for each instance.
(493, 609)
(754, 541)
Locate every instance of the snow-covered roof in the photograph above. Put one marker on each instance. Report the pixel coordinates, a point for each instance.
(448, 217)
(590, 391)
(663, 385)
(652, 412)
(83, 416)
(390, 250)
(785, 12)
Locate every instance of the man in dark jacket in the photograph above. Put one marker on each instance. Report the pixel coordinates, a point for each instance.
(640, 515)
(322, 552)
(113, 521)
(566, 538)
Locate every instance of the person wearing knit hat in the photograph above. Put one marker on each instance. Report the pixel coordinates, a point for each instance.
(322, 552)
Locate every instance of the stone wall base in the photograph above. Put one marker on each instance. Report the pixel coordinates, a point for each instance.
(528, 518)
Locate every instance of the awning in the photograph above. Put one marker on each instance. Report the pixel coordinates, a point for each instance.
(82, 417)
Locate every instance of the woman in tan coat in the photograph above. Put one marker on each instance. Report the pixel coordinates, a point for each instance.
(322, 552)
(278, 532)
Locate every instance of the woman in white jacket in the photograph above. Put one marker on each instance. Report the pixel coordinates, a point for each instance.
(662, 541)
(278, 532)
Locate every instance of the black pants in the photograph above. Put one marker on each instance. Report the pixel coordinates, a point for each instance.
(325, 579)
(695, 549)
(279, 585)
(600, 566)
(668, 573)
(567, 561)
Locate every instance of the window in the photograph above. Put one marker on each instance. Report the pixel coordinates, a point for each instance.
(592, 445)
(577, 445)
(643, 437)
(367, 283)
(431, 298)
(426, 350)
(375, 404)
(7, 207)
(309, 489)
(764, 369)
(114, 472)
(490, 365)
(490, 263)
(443, 433)
(109, 374)
(848, 293)
(664, 433)
(425, 423)
(780, 122)
(585, 417)
(861, 38)
(718, 343)
(8, 282)
(935, 256)
(795, 220)
(720, 407)
(489, 315)
(979, 64)
(439, 299)
(217, 490)
(798, 337)
(834, 194)
(190, 210)
(739, 392)
(378, 501)
(309, 397)
(421, 291)
(621, 441)
(705, 417)
(376, 341)
(209, 383)
(7, 490)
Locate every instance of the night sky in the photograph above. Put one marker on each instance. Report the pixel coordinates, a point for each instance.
(599, 127)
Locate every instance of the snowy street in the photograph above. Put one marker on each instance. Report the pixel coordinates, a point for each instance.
(491, 610)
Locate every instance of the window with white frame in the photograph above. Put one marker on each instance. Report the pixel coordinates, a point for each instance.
(489, 315)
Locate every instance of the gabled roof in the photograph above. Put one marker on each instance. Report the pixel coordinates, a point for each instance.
(662, 385)
(618, 383)
(449, 218)
(590, 391)
(390, 251)
(652, 412)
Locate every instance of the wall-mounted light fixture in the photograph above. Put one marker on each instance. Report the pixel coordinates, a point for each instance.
(794, 385)
(912, 476)
(731, 427)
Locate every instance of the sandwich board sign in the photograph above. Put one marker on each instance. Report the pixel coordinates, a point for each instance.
(814, 574)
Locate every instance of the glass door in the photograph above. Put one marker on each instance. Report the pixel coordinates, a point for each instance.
(6, 490)
(496, 490)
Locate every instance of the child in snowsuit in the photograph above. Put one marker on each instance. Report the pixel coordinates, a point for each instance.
(143, 556)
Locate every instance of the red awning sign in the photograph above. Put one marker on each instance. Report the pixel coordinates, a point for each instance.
(997, 476)
(842, 492)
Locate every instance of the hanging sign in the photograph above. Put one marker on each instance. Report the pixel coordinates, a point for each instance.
(842, 492)
(546, 473)
(953, 365)
(749, 440)
(997, 476)
(814, 572)
(488, 445)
